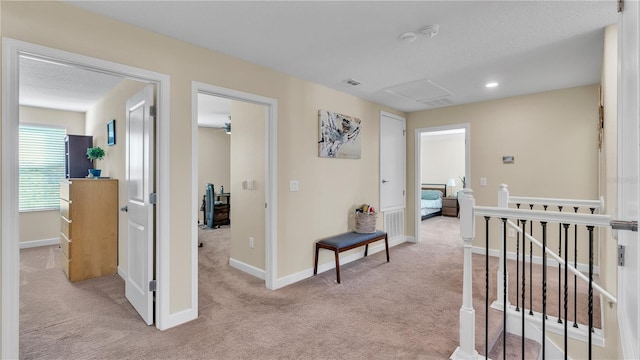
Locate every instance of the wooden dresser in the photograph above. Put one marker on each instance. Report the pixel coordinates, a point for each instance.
(89, 227)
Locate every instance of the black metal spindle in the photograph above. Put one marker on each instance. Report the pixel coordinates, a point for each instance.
(524, 263)
(544, 286)
(560, 270)
(486, 288)
(590, 229)
(518, 267)
(504, 287)
(575, 277)
(566, 288)
(531, 266)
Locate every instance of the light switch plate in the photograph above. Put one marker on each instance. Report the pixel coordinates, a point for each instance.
(483, 181)
(293, 185)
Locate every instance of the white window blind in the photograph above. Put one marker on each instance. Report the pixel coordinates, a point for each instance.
(41, 167)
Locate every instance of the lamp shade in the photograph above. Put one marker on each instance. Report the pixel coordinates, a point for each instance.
(451, 182)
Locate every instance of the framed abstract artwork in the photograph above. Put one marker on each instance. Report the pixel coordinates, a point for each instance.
(339, 135)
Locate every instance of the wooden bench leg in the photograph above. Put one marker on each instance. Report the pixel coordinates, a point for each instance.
(337, 265)
(315, 266)
(366, 250)
(386, 245)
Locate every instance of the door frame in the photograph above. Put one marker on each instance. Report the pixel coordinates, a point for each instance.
(627, 181)
(11, 50)
(271, 184)
(418, 164)
(404, 161)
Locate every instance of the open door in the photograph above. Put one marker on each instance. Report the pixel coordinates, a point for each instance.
(139, 282)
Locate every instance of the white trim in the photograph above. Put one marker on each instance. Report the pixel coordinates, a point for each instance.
(122, 273)
(535, 259)
(404, 160)
(271, 173)
(249, 269)
(38, 243)
(307, 273)
(10, 228)
(10, 254)
(418, 165)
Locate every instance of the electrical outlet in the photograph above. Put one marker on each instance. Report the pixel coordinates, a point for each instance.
(511, 232)
(251, 242)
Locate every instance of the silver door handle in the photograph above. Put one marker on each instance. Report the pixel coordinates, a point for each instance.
(384, 181)
(124, 209)
(624, 225)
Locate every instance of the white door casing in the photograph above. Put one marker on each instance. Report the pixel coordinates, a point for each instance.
(140, 214)
(392, 162)
(628, 176)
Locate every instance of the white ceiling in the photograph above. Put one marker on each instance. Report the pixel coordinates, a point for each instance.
(526, 46)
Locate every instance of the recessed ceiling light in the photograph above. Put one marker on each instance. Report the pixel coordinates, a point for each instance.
(492, 84)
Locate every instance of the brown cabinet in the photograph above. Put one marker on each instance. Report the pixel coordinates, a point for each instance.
(76, 163)
(89, 228)
(450, 206)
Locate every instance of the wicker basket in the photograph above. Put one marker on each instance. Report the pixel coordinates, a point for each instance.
(366, 223)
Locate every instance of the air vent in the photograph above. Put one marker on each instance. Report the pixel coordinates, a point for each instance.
(353, 82)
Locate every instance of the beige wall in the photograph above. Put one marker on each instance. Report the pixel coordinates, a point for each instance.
(44, 225)
(329, 187)
(248, 163)
(113, 106)
(213, 160)
(442, 159)
(552, 136)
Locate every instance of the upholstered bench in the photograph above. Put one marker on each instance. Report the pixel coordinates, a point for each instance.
(348, 241)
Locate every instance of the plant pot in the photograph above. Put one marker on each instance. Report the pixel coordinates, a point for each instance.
(95, 173)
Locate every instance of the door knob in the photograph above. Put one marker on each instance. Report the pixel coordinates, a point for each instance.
(124, 209)
(384, 181)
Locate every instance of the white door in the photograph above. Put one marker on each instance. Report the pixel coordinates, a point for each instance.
(392, 162)
(140, 215)
(628, 174)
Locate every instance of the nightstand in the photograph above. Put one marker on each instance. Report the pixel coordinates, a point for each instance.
(450, 206)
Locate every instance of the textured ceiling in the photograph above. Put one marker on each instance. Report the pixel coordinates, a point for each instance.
(526, 46)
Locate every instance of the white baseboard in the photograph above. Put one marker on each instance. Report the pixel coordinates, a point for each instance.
(121, 273)
(249, 269)
(584, 268)
(37, 243)
(304, 274)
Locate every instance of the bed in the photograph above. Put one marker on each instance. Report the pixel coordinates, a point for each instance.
(431, 200)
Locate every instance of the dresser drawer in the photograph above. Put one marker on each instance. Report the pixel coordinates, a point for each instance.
(64, 189)
(65, 226)
(65, 264)
(65, 245)
(65, 208)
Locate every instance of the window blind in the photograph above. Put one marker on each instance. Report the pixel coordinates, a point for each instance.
(41, 167)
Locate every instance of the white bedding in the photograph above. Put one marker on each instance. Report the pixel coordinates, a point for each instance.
(430, 206)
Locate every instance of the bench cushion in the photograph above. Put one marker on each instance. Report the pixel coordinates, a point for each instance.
(348, 239)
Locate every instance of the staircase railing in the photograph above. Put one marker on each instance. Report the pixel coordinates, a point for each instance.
(518, 219)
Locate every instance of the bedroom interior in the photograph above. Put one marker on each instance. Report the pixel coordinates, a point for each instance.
(442, 169)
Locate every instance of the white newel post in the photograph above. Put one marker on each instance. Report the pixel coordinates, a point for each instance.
(467, 348)
(503, 202)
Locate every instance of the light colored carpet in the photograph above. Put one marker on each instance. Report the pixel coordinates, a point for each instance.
(407, 308)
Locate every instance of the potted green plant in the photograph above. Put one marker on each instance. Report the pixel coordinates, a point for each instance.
(95, 153)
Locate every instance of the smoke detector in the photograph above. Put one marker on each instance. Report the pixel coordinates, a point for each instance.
(430, 30)
(409, 37)
(353, 82)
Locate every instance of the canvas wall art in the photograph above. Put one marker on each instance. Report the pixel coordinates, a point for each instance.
(339, 135)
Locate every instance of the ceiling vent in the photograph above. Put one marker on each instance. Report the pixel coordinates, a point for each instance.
(421, 91)
(353, 82)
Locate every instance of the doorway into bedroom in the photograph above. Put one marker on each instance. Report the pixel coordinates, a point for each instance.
(442, 155)
(231, 192)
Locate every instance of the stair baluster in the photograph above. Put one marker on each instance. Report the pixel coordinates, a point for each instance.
(575, 277)
(566, 287)
(531, 266)
(486, 288)
(524, 263)
(544, 286)
(560, 270)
